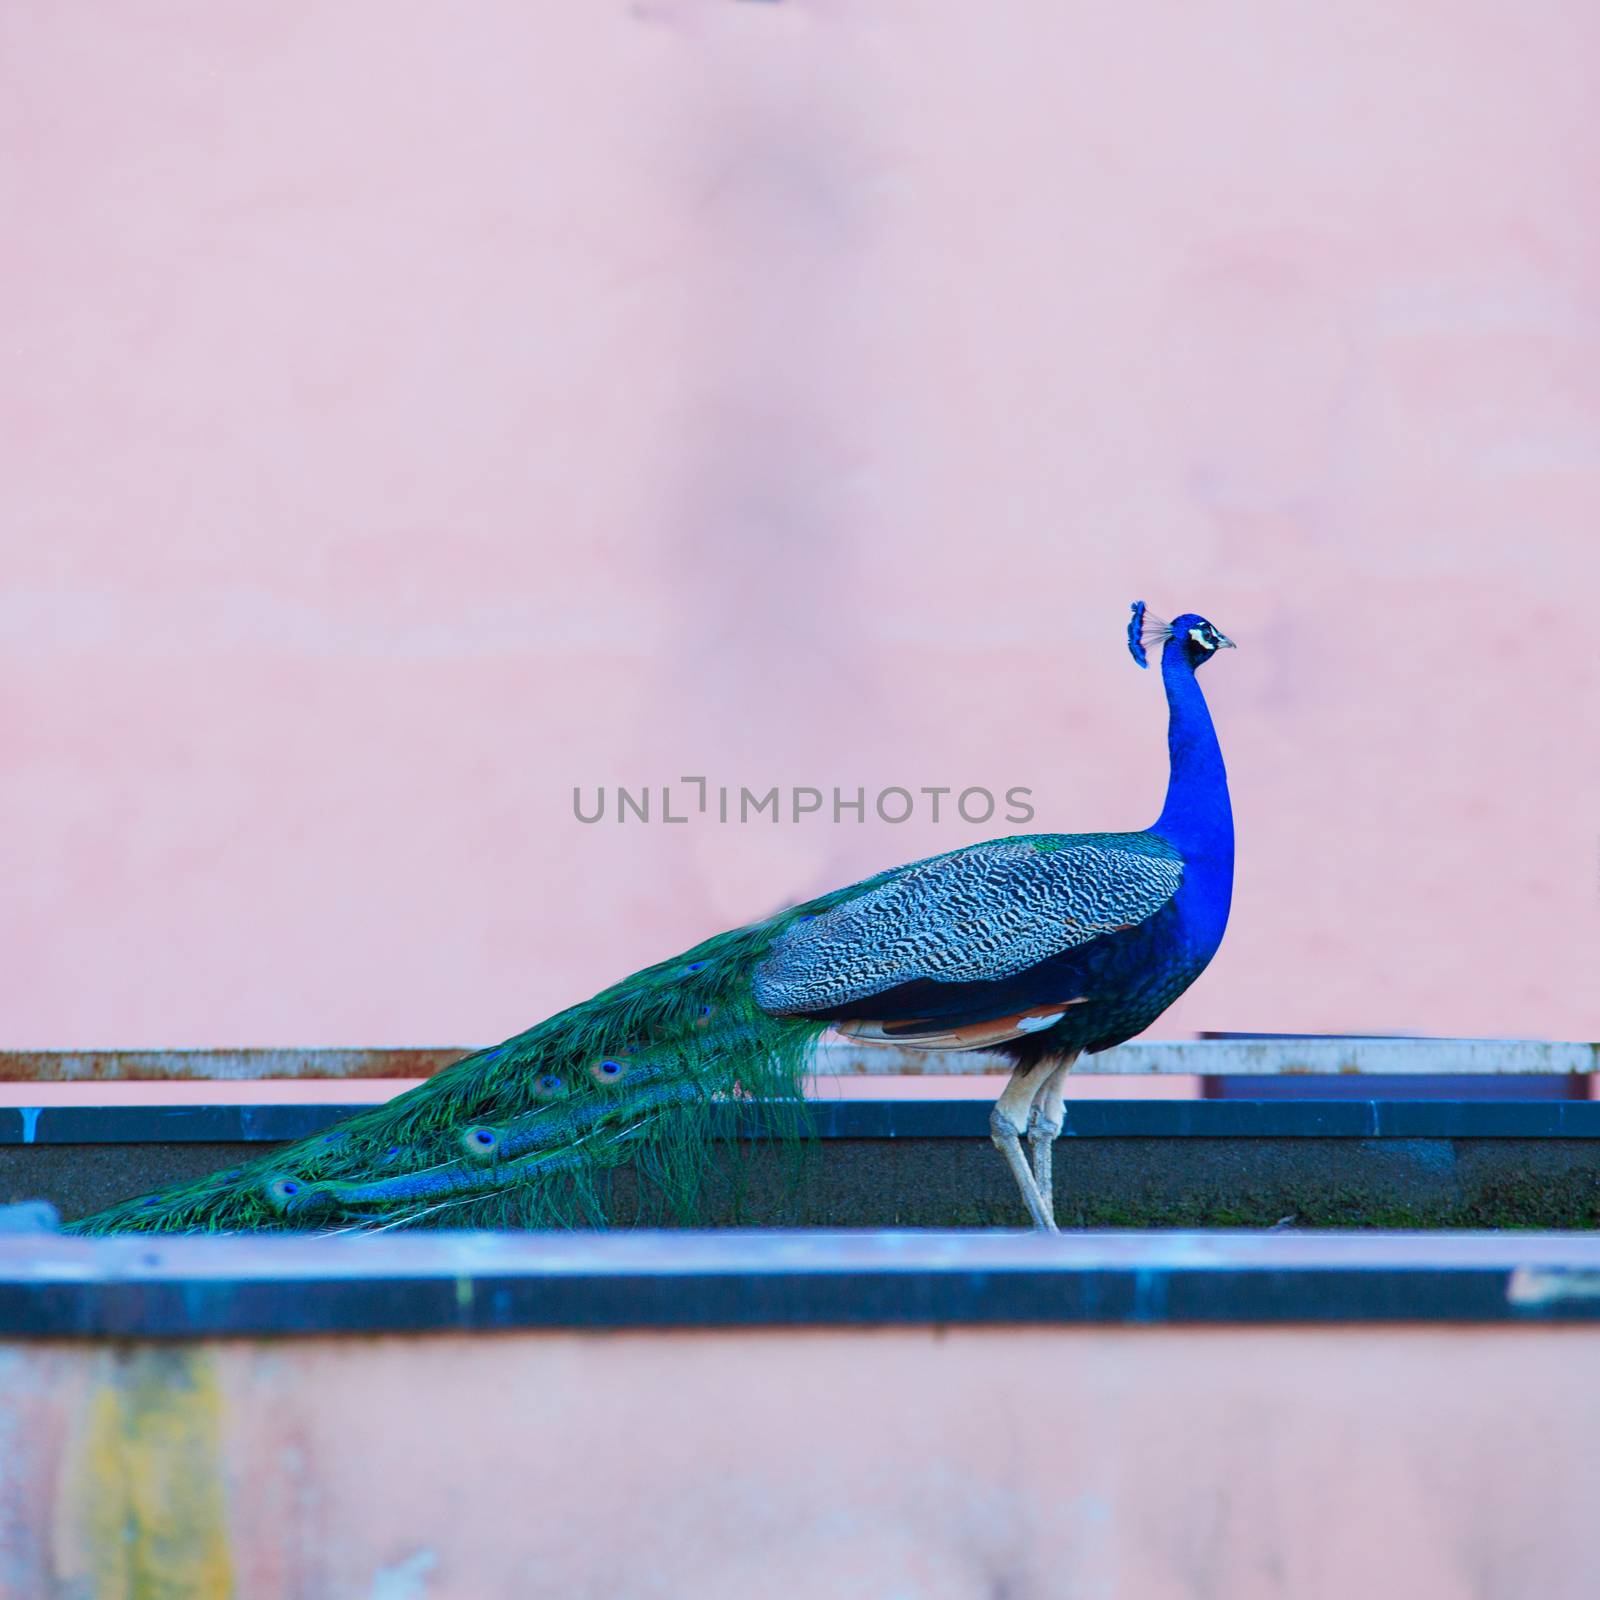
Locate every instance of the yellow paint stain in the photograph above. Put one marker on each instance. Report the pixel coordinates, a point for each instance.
(152, 1514)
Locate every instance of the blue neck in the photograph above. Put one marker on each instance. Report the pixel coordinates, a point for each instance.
(1197, 818)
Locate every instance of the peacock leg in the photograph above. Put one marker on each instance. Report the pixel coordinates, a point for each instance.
(1044, 1128)
(1007, 1123)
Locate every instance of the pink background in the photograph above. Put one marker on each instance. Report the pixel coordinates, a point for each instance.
(409, 412)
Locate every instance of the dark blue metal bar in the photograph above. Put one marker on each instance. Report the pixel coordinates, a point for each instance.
(893, 1119)
(224, 1124)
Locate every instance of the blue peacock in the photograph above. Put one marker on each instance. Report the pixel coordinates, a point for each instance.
(1036, 948)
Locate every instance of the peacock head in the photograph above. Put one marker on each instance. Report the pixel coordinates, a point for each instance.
(1196, 639)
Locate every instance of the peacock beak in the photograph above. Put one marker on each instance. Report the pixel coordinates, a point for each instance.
(1225, 643)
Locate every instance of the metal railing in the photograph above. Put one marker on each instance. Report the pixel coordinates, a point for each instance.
(1190, 1057)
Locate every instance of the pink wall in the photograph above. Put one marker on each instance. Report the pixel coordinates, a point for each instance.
(412, 411)
(933, 1464)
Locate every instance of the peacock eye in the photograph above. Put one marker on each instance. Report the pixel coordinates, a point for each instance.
(294, 1196)
(481, 1141)
(609, 1069)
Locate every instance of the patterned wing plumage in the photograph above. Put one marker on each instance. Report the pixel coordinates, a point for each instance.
(979, 915)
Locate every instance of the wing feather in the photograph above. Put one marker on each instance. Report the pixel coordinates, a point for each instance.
(977, 915)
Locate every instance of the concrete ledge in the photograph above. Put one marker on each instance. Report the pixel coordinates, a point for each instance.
(52, 1287)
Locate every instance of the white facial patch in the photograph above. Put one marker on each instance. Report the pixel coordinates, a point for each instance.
(1204, 638)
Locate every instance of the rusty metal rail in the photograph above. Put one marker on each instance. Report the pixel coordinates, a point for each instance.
(1200, 1058)
(250, 1065)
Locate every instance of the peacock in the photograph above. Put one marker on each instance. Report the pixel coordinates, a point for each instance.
(1035, 948)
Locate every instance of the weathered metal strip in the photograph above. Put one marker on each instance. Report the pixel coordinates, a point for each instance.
(1188, 1057)
(121, 1066)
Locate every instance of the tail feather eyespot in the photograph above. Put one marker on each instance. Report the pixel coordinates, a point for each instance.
(482, 1143)
(705, 1017)
(609, 1070)
(292, 1196)
(550, 1086)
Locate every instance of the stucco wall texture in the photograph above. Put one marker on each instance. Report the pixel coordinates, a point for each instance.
(410, 412)
(922, 1464)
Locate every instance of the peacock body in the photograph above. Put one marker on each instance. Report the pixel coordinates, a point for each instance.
(1035, 947)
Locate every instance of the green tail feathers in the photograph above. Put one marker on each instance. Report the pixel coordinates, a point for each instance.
(526, 1133)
